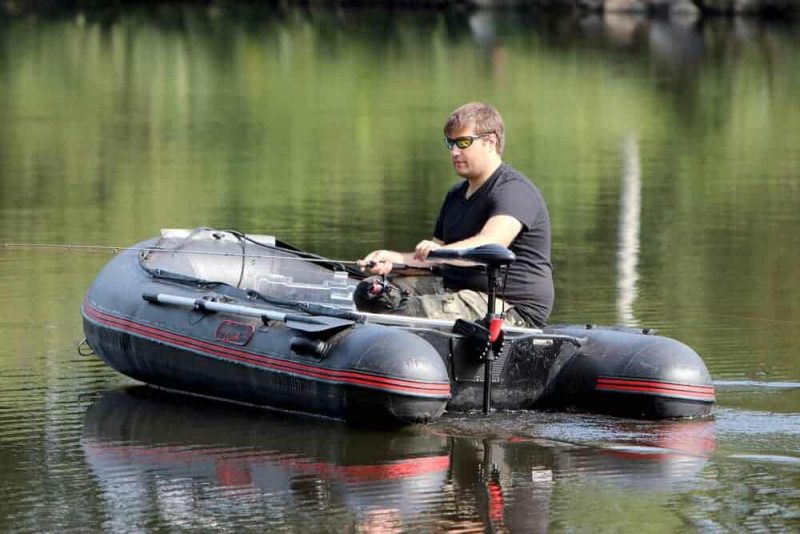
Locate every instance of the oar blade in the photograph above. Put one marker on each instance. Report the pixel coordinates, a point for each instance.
(318, 325)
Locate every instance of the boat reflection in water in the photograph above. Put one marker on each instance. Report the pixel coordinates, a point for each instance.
(530, 484)
(666, 458)
(193, 462)
(177, 462)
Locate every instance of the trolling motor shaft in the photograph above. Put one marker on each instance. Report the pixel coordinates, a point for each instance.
(494, 321)
(493, 257)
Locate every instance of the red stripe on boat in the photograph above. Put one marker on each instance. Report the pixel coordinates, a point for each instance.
(398, 385)
(656, 387)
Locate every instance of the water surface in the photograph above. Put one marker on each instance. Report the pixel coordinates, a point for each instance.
(669, 159)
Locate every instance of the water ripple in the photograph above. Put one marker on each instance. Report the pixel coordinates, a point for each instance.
(755, 384)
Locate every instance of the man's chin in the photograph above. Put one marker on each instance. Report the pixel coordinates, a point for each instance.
(461, 171)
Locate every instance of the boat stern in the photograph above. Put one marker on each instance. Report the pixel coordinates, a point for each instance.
(635, 374)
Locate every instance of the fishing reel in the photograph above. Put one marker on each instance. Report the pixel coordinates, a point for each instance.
(378, 286)
(376, 294)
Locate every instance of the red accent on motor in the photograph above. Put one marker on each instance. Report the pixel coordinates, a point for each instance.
(495, 326)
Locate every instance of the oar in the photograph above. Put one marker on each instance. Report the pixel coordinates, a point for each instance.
(301, 323)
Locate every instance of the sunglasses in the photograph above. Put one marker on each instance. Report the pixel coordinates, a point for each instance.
(462, 142)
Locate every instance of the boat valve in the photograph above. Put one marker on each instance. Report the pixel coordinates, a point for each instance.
(308, 347)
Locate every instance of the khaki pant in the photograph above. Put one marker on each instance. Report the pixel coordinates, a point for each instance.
(426, 296)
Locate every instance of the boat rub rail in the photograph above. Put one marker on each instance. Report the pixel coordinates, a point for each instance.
(372, 381)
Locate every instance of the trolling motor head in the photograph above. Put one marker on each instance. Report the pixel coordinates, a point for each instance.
(490, 255)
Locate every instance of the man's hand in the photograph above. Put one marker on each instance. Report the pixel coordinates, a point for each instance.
(424, 248)
(380, 261)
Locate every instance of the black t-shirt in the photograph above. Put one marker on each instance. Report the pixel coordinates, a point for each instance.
(507, 192)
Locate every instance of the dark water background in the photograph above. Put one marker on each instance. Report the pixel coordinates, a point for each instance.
(669, 157)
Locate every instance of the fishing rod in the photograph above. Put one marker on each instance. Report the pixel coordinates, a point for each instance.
(115, 249)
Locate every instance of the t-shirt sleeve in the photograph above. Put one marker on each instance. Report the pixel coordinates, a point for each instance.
(517, 199)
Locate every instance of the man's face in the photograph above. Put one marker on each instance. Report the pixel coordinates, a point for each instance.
(475, 160)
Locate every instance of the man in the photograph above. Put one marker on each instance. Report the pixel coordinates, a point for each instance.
(494, 204)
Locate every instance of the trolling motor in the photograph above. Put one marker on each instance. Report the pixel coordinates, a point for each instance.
(493, 257)
(378, 295)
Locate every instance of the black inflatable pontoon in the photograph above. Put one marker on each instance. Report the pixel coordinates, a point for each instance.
(251, 319)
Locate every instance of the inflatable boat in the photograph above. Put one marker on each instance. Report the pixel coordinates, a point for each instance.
(251, 319)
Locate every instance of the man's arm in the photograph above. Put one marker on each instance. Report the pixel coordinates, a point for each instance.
(500, 229)
(381, 261)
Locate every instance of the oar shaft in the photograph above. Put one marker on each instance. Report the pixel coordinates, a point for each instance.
(210, 305)
(311, 324)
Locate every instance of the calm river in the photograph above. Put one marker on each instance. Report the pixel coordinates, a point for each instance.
(670, 159)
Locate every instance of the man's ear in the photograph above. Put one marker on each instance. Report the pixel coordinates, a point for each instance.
(494, 140)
